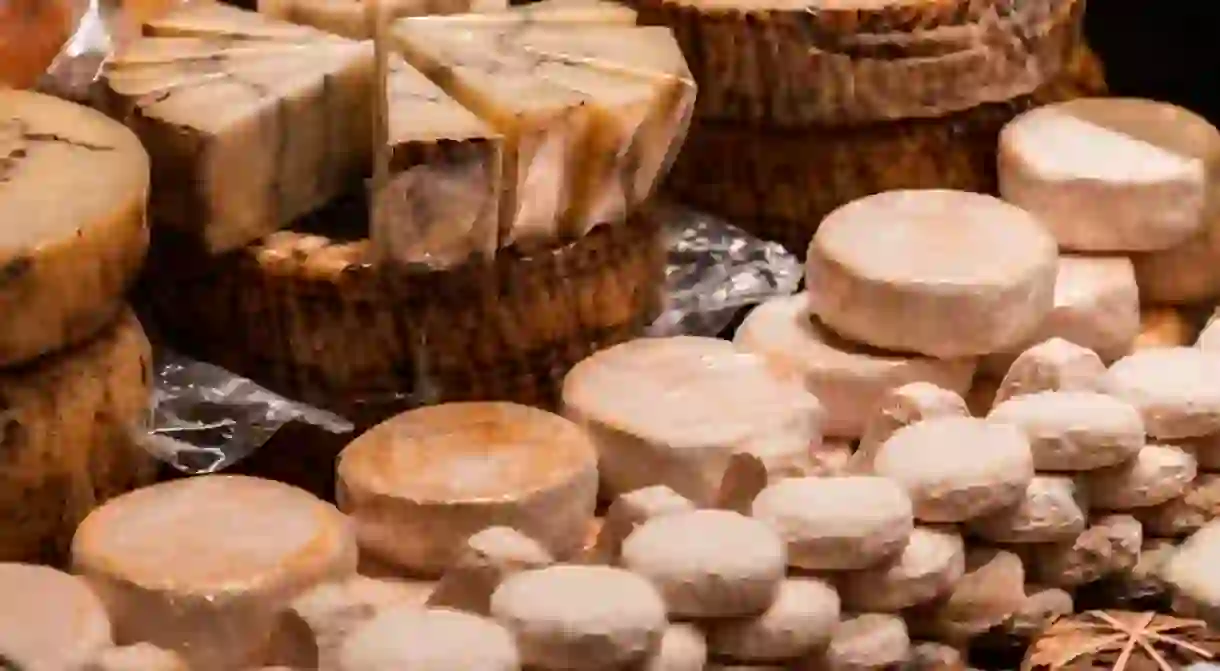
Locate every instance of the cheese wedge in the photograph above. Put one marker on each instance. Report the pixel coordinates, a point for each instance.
(250, 123)
(73, 191)
(349, 18)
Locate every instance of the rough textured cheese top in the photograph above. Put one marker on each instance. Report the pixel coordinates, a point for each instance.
(50, 620)
(73, 190)
(922, 271)
(434, 639)
(1111, 174)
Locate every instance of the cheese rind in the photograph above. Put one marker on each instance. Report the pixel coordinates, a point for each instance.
(204, 566)
(410, 637)
(1174, 388)
(78, 185)
(419, 484)
(489, 558)
(1054, 508)
(915, 271)
(931, 563)
(868, 641)
(1052, 365)
(848, 379)
(1190, 272)
(672, 411)
(1191, 572)
(988, 593)
(1186, 514)
(1074, 430)
(1157, 474)
(50, 620)
(902, 407)
(1111, 175)
(800, 621)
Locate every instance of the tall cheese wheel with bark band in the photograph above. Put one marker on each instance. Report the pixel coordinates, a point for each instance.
(73, 191)
(205, 566)
(419, 484)
(922, 271)
(50, 620)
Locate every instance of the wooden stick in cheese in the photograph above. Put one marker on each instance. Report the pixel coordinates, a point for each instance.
(204, 566)
(49, 620)
(918, 271)
(1114, 175)
(73, 189)
(419, 484)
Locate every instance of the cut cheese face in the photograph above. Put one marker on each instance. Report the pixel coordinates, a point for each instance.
(589, 128)
(1114, 175)
(418, 485)
(672, 411)
(50, 620)
(73, 191)
(350, 18)
(250, 123)
(205, 566)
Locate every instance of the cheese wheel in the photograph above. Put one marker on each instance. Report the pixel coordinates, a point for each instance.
(709, 563)
(931, 563)
(80, 183)
(800, 621)
(1157, 474)
(981, 397)
(1111, 545)
(849, 379)
(949, 479)
(1192, 574)
(489, 558)
(838, 523)
(988, 593)
(204, 566)
(50, 620)
(902, 407)
(408, 637)
(1110, 174)
(671, 411)
(138, 657)
(917, 271)
(1097, 306)
(1190, 272)
(1054, 508)
(865, 643)
(1174, 388)
(1186, 514)
(1163, 327)
(580, 617)
(683, 648)
(72, 426)
(419, 484)
(1052, 365)
(1074, 430)
(631, 510)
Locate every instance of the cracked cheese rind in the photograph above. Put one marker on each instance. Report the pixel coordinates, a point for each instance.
(419, 484)
(250, 122)
(204, 566)
(70, 430)
(50, 620)
(73, 191)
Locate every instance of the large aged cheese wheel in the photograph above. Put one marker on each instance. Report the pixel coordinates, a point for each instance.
(204, 566)
(410, 637)
(419, 484)
(73, 187)
(71, 430)
(849, 379)
(916, 271)
(672, 411)
(49, 620)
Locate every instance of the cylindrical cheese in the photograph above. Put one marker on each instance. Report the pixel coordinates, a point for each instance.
(409, 637)
(1054, 508)
(1074, 430)
(1192, 574)
(1174, 388)
(1163, 327)
(932, 562)
(419, 484)
(49, 620)
(865, 642)
(204, 566)
(918, 271)
(671, 411)
(1051, 365)
(849, 379)
(1109, 546)
(800, 621)
(1110, 175)
(1157, 475)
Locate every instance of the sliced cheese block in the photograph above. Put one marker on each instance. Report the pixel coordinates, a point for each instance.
(672, 411)
(683, 648)
(1055, 508)
(588, 130)
(1111, 175)
(850, 380)
(906, 405)
(1097, 306)
(1209, 337)
(419, 484)
(1190, 272)
(413, 638)
(580, 617)
(204, 566)
(1157, 474)
(72, 426)
(138, 657)
(215, 96)
(1163, 327)
(490, 557)
(916, 271)
(932, 562)
(1110, 545)
(79, 184)
(838, 523)
(1191, 573)
(349, 18)
(1052, 365)
(988, 594)
(50, 620)
(1074, 430)
(709, 563)
(1174, 388)
(949, 479)
(801, 620)
(866, 642)
(631, 510)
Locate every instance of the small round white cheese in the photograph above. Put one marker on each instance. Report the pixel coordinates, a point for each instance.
(1051, 365)
(1157, 474)
(1053, 509)
(800, 621)
(409, 638)
(1174, 388)
(49, 620)
(932, 562)
(1074, 430)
